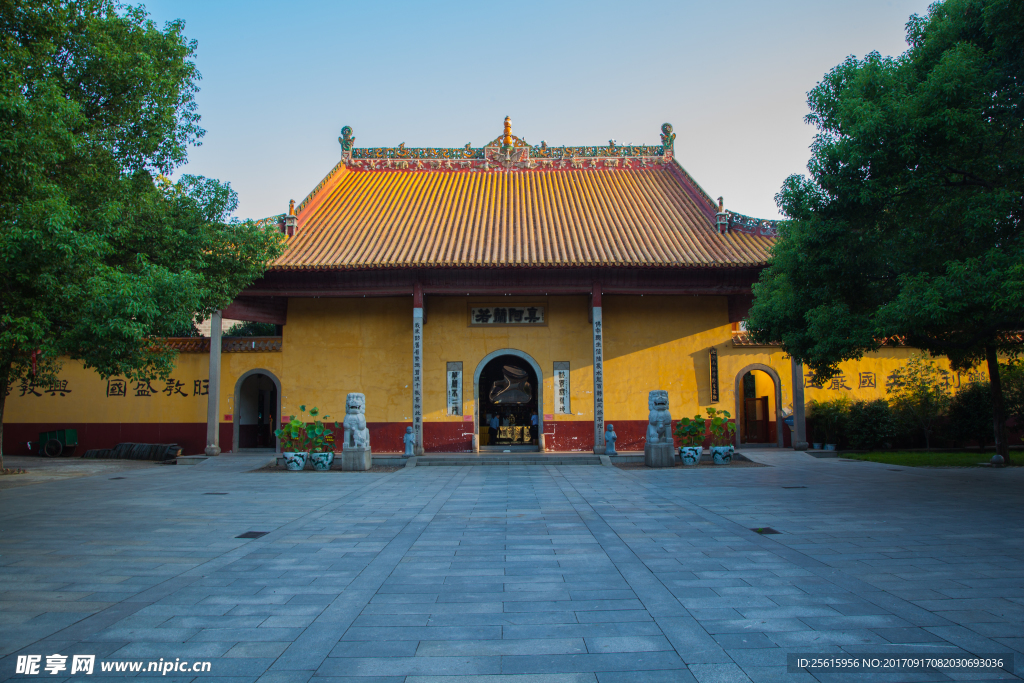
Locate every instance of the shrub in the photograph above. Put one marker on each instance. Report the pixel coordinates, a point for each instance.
(829, 417)
(919, 395)
(871, 425)
(1012, 380)
(970, 415)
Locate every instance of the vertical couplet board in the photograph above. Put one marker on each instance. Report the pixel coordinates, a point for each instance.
(417, 377)
(454, 388)
(598, 382)
(713, 357)
(563, 402)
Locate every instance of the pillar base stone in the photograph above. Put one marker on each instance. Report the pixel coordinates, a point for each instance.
(356, 459)
(659, 455)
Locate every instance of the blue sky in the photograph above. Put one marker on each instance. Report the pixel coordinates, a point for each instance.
(281, 79)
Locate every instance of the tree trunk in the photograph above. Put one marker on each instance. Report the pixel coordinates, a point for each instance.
(998, 409)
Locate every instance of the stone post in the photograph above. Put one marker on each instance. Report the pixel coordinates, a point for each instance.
(799, 425)
(213, 395)
(598, 331)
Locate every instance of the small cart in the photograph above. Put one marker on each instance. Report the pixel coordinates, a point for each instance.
(58, 442)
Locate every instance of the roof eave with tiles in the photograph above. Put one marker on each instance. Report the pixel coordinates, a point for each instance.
(512, 204)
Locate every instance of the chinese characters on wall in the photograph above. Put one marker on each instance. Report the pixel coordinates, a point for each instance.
(31, 388)
(713, 358)
(507, 315)
(454, 389)
(868, 380)
(598, 380)
(563, 405)
(119, 387)
(417, 374)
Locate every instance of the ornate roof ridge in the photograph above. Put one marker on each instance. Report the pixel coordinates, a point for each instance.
(506, 152)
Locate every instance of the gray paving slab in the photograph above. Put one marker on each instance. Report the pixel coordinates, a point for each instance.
(554, 574)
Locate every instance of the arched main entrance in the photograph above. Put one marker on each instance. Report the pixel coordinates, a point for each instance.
(757, 404)
(509, 385)
(257, 411)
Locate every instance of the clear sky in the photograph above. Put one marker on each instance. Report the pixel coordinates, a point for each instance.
(280, 79)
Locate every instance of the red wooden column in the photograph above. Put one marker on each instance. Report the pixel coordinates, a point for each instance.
(598, 331)
(417, 367)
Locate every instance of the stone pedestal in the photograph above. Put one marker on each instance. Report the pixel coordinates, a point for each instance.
(659, 455)
(356, 459)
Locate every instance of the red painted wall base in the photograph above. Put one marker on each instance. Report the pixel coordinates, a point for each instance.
(191, 436)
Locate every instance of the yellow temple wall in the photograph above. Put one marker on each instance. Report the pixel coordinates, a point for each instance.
(449, 337)
(334, 346)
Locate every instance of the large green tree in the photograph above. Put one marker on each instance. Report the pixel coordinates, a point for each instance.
(909, 225)
(102, 255)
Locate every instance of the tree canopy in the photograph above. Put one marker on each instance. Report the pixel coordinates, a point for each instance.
(908, 227)
(102, 254)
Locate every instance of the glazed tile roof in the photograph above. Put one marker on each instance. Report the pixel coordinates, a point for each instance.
(513, 204)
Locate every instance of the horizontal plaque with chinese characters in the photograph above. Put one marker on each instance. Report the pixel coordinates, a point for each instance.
(520, 314)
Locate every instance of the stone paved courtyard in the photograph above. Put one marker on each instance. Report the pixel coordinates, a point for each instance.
(515, 574)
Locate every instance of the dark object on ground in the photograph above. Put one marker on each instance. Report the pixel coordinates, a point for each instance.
(54, 443)
(136, 451)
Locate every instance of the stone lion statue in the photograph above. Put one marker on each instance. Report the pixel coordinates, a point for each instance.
(659, 428)
(356, 433)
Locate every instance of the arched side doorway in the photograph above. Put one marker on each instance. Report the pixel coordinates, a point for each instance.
(257, 411)
(521, 369)
(742, 409)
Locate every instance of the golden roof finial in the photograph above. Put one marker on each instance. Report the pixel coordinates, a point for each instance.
(291, 207)
(506, 139)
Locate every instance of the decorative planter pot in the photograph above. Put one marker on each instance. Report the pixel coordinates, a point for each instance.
(830, 447)
(295, 461)
(321, 462)
(690, 455)
(722, 454)
(817, 446)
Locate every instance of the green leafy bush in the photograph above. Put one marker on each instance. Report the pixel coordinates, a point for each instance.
(691, 432)
(969, 418)
(829, 417)
(1012, 378)
(720, 429)
(870, 425)
(298, 436)
(919, 395)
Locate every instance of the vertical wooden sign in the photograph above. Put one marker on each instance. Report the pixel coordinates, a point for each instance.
(713, 358)
(417, 377)
(454, 388)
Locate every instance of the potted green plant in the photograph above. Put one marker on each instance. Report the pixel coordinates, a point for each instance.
(691, 433)
(722, 432)
(830, 416)
(320, 455)
(302, 441)
(294, 447)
